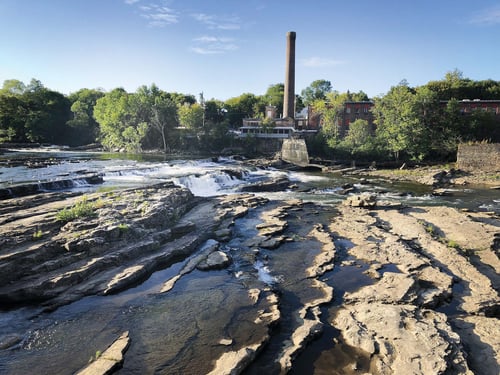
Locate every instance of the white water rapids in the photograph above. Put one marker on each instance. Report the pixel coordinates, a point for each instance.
(211, 177)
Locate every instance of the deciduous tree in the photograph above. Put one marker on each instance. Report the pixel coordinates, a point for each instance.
(317, 90)
(83, 128)
(398, 121)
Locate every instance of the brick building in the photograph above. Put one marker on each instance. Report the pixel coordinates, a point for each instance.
(353, 111)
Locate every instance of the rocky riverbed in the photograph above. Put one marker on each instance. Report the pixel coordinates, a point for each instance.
(249, 284)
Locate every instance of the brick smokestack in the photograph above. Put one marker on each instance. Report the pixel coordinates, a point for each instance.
(289, 100)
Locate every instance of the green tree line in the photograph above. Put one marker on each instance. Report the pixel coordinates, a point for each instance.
(410, 123)
(146, 119)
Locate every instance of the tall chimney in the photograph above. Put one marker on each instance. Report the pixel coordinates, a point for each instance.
(289, 100)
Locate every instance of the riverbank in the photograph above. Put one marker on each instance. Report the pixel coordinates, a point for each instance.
(252, 283)
(438, 176)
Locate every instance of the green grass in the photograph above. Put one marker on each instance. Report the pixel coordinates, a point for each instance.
(38, 234)
(429, 228)
(123, 227)
(79, 210)
(98, 353)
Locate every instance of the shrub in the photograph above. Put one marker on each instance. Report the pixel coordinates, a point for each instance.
(83, 208)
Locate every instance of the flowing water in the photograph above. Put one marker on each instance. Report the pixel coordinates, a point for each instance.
(181, 331)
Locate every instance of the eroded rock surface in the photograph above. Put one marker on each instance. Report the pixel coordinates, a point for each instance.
(250, 287)
(402, 339)
(430, 248)
(131, 234)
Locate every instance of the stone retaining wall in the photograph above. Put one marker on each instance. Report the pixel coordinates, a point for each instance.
(295, 151)
(483, 157)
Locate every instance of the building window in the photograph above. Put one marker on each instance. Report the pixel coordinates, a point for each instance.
(348, 110)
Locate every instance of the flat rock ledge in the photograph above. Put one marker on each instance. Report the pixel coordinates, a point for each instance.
(431, 307)
(110, 360)
(434, 298)
(402, 339)
(127, 236)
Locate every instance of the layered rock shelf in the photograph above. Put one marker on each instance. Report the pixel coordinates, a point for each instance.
(254, 287)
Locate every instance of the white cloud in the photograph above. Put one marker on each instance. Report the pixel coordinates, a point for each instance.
(130, 2)
(203, 51)
(320, 62)
(489, 16)
(212, 39)
(211, 45)
(159, 16)
(218, 22)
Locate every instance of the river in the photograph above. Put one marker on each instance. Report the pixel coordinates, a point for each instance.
(175, 335)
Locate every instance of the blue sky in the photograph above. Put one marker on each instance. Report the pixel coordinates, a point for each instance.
(229, 47)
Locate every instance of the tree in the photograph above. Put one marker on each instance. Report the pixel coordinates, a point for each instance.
(158, 111)
(331, 110)
(359, 96)
(119, 128)
(359, 138)
(430, 114)
(275, 96)
(47, 114)
(317, 90)
(397, 116)
(181, 99)
(12, 118)
(83, 128)
(191, 116)
(13, 87)
(215, 111)
(32, 113)
(456, 86)
(240, 107)
(164, 118)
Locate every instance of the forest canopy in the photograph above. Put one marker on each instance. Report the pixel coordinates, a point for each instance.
(410, 122)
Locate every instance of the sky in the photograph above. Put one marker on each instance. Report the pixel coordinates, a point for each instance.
(225, 48)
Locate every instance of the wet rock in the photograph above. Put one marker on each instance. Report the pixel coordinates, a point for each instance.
(272, 243)
(346, 189)
(441, 192)
(35, 188)
(215, 260)
(365, 200)
(278, 184)
(110, 360)
(223, 234)
(8, 341)
(133, 233)
(271, 228)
